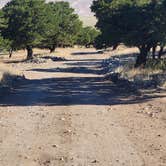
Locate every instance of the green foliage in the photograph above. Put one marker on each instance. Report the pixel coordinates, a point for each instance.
(4, 43)
(87, 36)
(2, 21)
(64, 25)
(139, 23)
(26, 22)
(122, 21)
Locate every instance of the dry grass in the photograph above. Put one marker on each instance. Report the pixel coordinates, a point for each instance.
(164, 85)
(21, 55)
(7, 74)
(138, 75)
(123, 50)
(129, 72)
(132, 73)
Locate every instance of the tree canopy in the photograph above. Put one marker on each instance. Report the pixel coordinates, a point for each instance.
(26, 23)
(87, 36)
(139, 23)
(4, 43)
(64, 26)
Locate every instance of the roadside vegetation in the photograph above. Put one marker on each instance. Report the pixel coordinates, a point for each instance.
(138, 23)
(121, 67)
(8, 77)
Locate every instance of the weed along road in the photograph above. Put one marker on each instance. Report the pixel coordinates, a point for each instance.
(64, 114)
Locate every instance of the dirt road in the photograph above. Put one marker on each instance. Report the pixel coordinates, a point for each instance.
(65, 114)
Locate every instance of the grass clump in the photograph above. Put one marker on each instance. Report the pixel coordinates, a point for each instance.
(157, 64)
(8, 75)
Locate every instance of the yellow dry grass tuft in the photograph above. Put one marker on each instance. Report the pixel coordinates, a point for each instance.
(7, 73)
(139, 75)
(131, 73)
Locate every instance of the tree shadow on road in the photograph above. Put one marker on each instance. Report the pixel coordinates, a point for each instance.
(71, 91)
(87, 89)
(87, 53)
(79, 70)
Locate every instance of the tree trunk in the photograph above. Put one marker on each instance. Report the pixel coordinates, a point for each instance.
(10, 53)
(161, 52)
(52, 49)
(142, 57)
(154, 52)
(29, 52)
(115, 46)
(87, 45)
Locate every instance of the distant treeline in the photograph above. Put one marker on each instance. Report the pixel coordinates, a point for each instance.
(25, 24)
(138, 23)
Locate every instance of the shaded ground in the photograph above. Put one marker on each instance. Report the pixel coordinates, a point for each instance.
(87, 87)
(66, 113)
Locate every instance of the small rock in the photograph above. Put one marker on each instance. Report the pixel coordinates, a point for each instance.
(95, 161)
(139, 112)
(146, 108)
(152, 114)
(47, 162)
(71, 158)
(54, 146)
(67, 131)
(19, 155)
(63, 119)
(62, 159)
(26, 157)
(96, 134)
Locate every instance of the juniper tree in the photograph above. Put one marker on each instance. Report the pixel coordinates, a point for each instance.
(87, 36)
(139, 23)
(4, 43)
(26, 23)
(64, 26)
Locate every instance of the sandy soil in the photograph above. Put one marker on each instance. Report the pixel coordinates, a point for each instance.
(66, 114)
